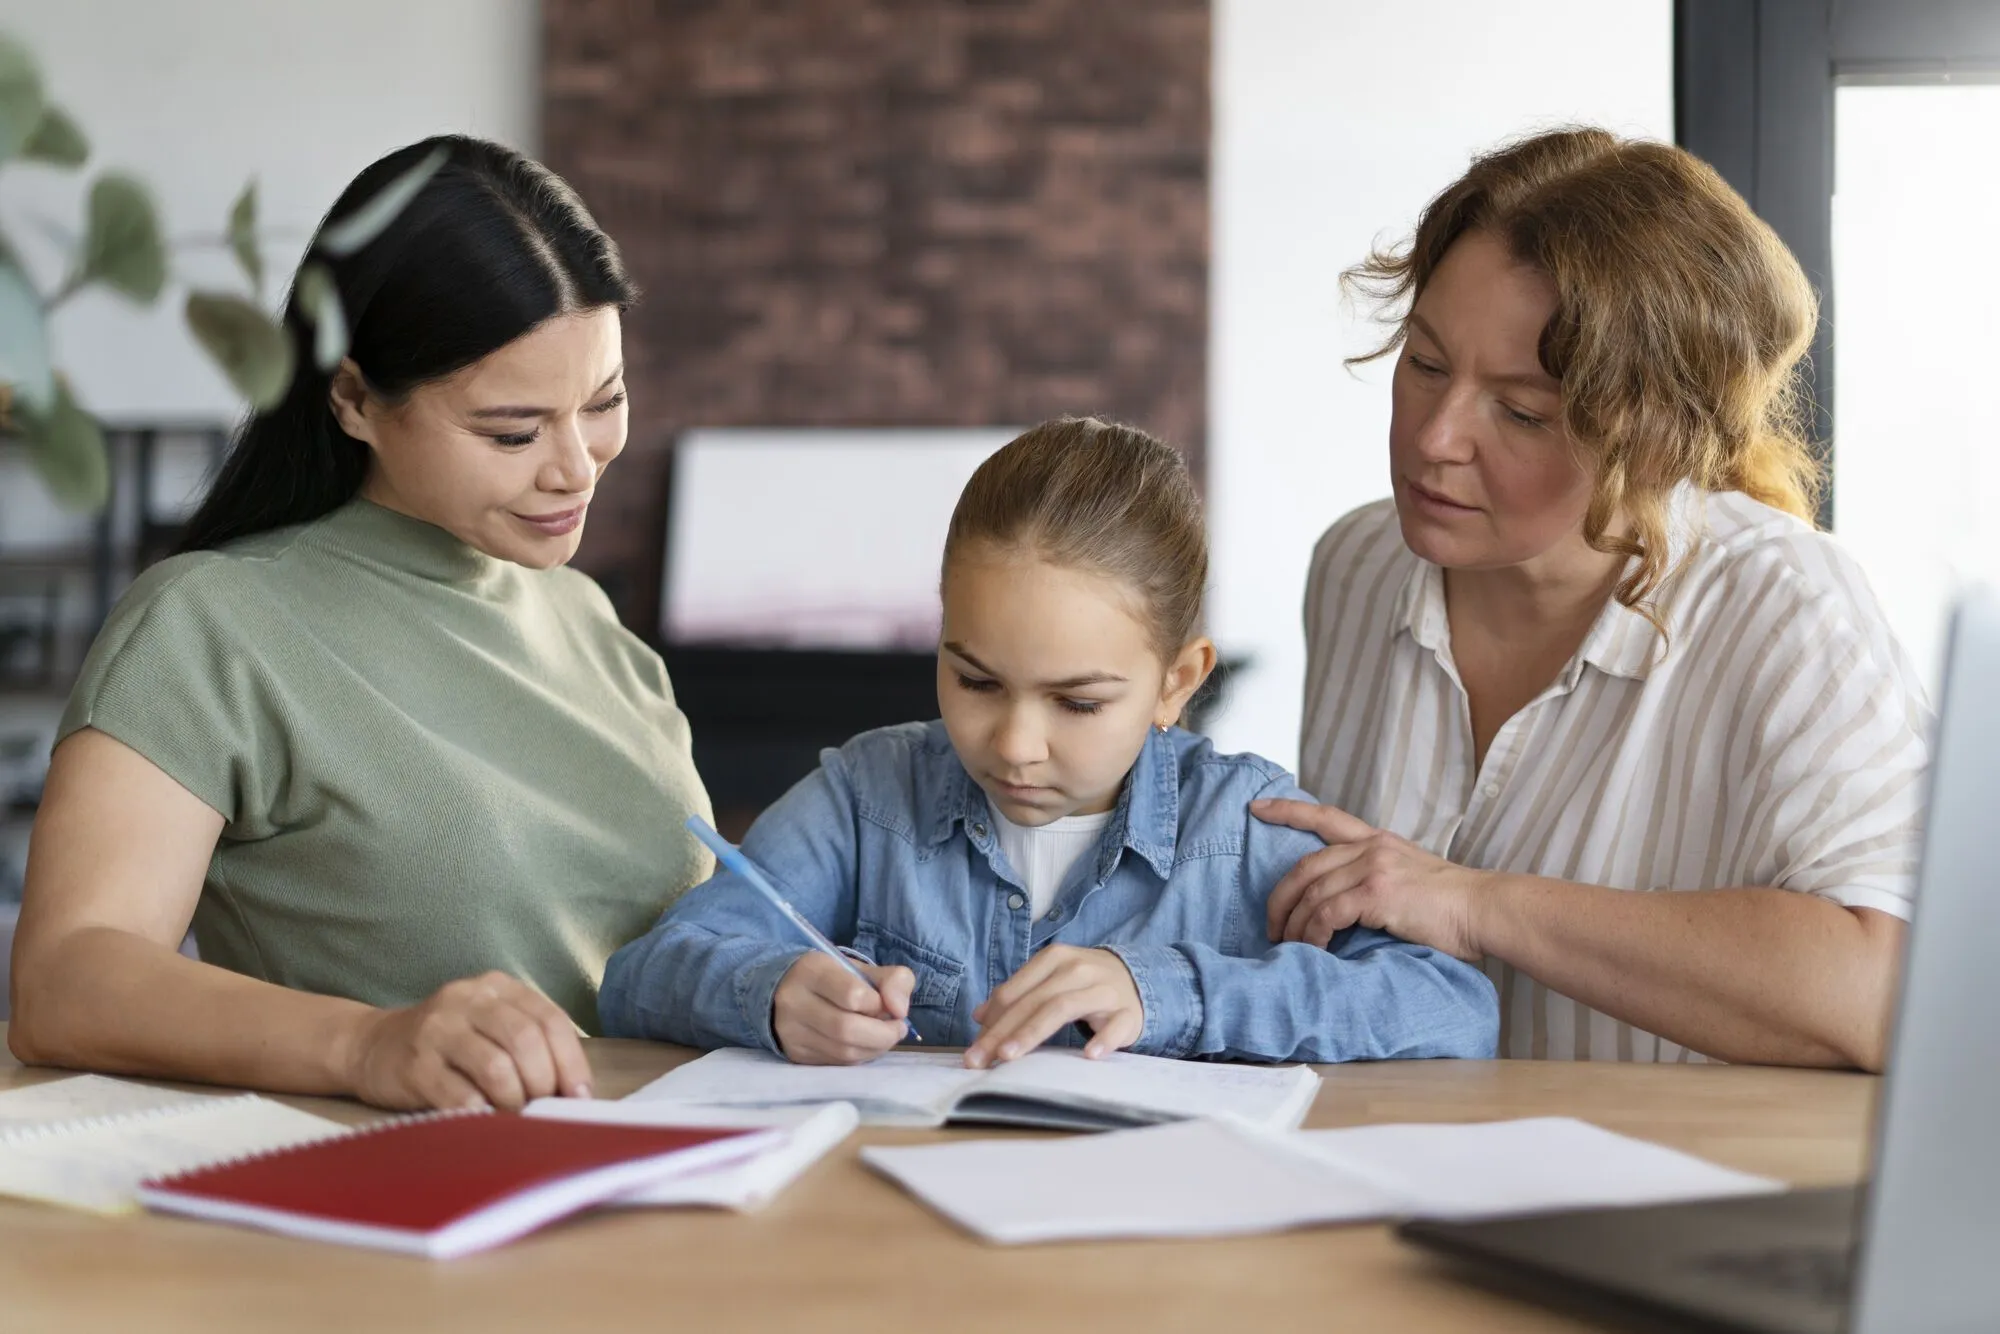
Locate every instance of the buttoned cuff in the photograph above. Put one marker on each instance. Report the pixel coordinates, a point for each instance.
(1170, 994)
(756, 989)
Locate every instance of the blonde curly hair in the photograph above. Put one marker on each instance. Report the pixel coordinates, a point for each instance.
(1680, 329)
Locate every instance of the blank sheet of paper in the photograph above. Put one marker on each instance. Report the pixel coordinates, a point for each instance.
(1188, 1179)
(1216, 1178)
(1502, 1167)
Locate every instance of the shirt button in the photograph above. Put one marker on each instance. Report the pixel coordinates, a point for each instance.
(1015, 901)
(1492, 789)
(979, 831)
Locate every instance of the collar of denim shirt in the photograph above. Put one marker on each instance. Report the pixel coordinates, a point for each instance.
(1146, 818)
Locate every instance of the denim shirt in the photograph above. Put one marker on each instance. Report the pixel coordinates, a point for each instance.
(889, 848)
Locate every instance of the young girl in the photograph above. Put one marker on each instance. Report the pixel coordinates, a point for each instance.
(1053, 860)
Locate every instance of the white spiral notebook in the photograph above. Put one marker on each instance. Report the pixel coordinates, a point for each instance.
(88, 1141)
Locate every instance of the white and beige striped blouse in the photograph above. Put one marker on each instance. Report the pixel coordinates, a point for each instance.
(1779, 738)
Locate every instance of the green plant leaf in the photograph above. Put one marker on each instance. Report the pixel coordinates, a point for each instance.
(57, 139)
(67, 448)
(250, 347)
(365, 223)
(21, 98)
(122, 247)
(319, 298)
(24, 340)
(243, 236)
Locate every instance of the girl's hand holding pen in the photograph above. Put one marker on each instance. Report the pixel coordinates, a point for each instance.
(824, 1015)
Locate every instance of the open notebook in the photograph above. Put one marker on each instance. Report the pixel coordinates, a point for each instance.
(88, 1141)
(1054, 1088)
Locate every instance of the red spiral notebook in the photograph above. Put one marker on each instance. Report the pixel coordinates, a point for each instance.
(444, 1185)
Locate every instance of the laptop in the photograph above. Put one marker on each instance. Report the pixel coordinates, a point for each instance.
(1917, 1249)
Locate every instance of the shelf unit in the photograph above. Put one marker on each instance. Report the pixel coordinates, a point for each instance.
(60, 575)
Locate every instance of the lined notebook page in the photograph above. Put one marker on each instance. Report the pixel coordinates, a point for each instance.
(98, 1165)
(919, 1083)
(1274, 1098)
(81, 1097)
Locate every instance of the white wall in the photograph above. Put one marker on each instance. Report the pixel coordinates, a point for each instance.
(197, 96)
(1335, 121)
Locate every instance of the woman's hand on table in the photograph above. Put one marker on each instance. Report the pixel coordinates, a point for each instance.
(1370, 877)
(486, 1040)
(823, 1015)
(1060, 985)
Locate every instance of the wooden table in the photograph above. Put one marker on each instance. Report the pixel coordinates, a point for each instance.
(845, 1250)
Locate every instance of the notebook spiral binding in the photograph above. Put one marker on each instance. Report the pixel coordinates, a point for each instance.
(343, 1132)
(26, 1134)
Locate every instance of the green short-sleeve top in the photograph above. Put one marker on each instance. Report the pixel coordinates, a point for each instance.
(430, 762)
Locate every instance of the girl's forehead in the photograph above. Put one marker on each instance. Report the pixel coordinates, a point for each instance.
(1034, 616)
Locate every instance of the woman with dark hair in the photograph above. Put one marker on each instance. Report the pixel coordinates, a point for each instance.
(407, 776)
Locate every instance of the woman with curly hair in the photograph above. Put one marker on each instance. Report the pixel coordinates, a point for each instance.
(1595, 645)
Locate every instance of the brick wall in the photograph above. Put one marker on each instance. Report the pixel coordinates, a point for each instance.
(886, 212)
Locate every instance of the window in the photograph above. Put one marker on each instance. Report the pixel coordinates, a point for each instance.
(1864, 131)
(1917, 270)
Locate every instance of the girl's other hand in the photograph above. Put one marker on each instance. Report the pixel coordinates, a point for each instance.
(1060, 985)
(823, 1015)
(491, 1039)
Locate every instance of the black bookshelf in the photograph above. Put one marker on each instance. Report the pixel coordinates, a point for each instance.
(761, 716)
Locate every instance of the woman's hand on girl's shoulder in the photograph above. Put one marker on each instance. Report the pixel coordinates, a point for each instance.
(1060, 985)
(1370, 877)
(483, 1040)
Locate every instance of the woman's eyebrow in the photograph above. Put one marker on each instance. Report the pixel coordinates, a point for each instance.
(609, 380)
(1537, 379)
(1067, 683)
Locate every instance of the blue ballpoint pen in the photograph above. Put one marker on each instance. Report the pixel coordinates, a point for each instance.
(732, 857)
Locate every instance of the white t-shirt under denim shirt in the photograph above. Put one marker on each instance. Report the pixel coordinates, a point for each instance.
(1779, 737)
(1044, 855)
